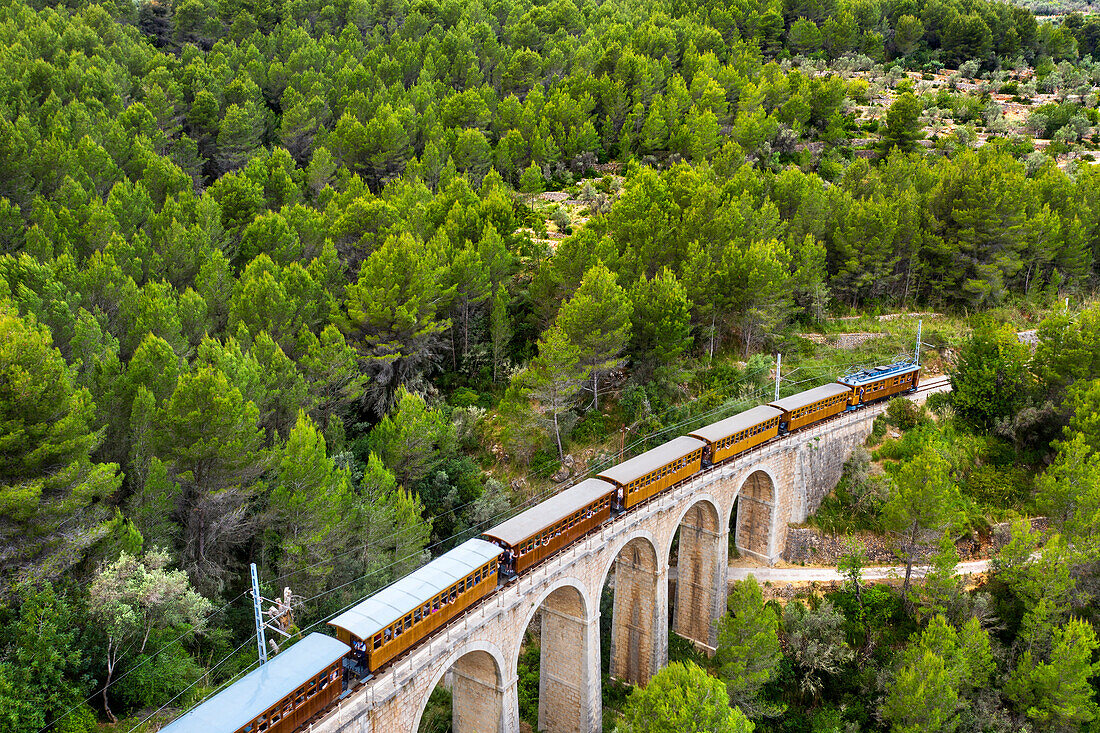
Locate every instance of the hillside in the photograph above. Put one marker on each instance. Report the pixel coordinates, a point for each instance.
(330, 287)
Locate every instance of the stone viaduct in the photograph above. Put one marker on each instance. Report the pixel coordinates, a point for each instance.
(776, 484)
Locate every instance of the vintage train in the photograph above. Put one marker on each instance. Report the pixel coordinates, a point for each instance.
(298, 683)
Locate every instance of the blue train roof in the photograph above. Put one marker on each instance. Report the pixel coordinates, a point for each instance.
(407, 594)
(876, 373)
(261, 688)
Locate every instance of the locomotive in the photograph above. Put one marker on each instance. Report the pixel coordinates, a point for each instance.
(282, 695)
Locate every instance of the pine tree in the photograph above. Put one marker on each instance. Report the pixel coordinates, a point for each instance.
(1054, 693)
(553, 377)
(51, 493)
(597, 320)
(923, 505)
(682, 697)
(210, 436)
(307, 503)
(500, 328)
(239, 136)
(748, 647)
(903, 123)
(393, 314)
(662, 321)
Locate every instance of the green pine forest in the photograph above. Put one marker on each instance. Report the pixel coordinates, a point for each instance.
(333, 287)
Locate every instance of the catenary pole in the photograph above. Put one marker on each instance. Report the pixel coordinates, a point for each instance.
(261, 643)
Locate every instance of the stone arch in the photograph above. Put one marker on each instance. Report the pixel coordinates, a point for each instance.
(697, 499)
(569, 667)
(701, 570)
(477, 688)
(639, 622)
(647, 539)
(756, 514)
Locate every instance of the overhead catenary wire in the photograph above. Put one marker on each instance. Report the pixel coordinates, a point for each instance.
(414, 526)
(198, 679)
(409, 529)
(221, 609)
(726, 405)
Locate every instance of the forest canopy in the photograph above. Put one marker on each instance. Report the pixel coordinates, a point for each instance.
(273, 275)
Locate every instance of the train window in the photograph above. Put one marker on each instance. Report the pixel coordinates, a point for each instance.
(377, 640)
(416, 615)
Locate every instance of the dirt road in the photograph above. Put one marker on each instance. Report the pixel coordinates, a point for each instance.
(870, 574)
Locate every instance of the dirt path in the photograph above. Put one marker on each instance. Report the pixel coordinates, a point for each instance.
(870, 574)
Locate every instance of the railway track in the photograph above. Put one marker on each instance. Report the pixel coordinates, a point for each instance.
(931, 385)
(928, 386)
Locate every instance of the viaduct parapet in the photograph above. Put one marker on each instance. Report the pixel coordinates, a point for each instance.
(777, 484)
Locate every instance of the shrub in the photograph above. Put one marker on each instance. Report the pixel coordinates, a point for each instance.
(902, 449)
(878, 429)
(437, 714)
(997, 487)
(528, 684)
(81, 719)
(464, 397)
(905, 414)
(594, 426)
(161, 678)
(937, 401)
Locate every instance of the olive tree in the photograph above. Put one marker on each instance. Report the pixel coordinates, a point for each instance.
(132, 597)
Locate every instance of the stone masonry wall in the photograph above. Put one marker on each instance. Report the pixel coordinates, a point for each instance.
(798, 469)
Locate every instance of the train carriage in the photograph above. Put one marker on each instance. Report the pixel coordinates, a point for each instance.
(545, 528)
(398, 616)
(740, 432)
(278, 697)
(655, 470)
(879, 383)
(811, 406)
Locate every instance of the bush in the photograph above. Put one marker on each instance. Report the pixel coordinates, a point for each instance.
(905, 414)
(594, 426)
(158, 680)
(902, 449)
(532, 180)
(81, 719)
(856, 501)
(878, 429)
(464, 397)
(937, 401)
(997, 488)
